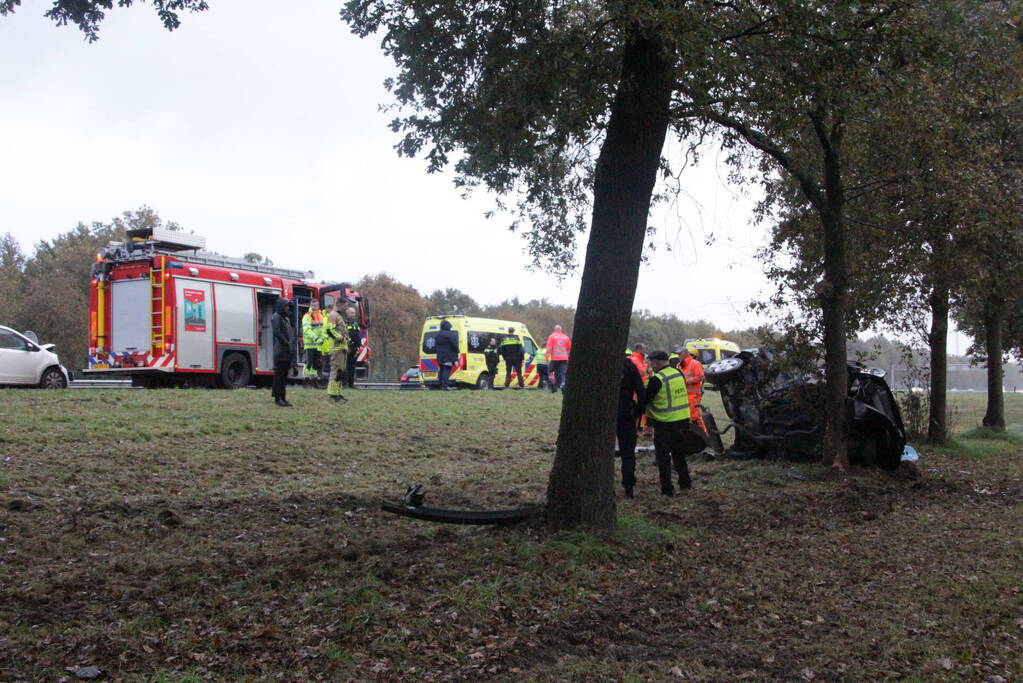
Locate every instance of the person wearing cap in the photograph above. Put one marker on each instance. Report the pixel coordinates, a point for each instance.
(511, 351)
(631, 395)
(692, 369)
(667, 407)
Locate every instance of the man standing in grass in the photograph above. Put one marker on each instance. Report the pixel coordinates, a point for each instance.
(284, 348)
(336, 345)
(312, 340)
(667, 408)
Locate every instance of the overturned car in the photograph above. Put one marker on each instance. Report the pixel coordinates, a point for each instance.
(777, 414)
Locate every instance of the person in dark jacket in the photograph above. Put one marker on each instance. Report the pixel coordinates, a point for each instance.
(446, 348)
(511, 351)
(631, 396)
(284, 347)
(492, 355)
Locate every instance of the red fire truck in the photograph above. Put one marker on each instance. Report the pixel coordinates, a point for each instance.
(164, 311)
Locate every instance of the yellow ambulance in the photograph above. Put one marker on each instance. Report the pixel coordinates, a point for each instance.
(474, 336)
(709, 350)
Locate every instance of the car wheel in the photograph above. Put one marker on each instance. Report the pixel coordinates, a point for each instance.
(484, 381)
(235, 372)
(53, 378)
(723, 369)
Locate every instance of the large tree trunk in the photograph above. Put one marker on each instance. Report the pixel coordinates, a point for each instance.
(994, 316)
(937, 422)
(581, 487)
(834, 296)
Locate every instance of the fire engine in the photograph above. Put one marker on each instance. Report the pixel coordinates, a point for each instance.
(164, 311)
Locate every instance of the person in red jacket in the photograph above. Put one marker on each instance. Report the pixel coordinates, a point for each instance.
(693, 371)
(558, 347)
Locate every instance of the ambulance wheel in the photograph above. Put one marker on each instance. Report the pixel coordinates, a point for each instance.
(235, 372)
(484, 382)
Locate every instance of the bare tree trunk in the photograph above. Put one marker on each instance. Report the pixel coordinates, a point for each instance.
(937, 422)
(580, 491)
(994, 317)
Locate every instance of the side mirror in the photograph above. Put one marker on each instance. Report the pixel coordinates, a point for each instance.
(31, 347)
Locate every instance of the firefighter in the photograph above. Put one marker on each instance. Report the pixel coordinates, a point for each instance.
(284, 346)
(631, 395)
(491, 353)
(312, 339)
(335, 345)
(351, 324)
(511, 351)
(558, 347)
(693, 371)
(667, 406)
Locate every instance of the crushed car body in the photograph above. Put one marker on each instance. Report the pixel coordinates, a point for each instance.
(777, 414)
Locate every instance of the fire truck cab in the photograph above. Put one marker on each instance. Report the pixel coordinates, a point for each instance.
(164, 311)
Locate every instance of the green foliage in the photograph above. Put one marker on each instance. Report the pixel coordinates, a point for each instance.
(88, 14)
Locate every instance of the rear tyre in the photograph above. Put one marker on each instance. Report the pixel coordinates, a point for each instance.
(484, 382)
(235, 372)
(53, 378)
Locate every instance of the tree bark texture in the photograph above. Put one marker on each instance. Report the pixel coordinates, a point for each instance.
(580, 492)
(994, 318)
(834, 299)
(937, 422)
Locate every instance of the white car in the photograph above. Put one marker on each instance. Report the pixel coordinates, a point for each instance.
(24, 361)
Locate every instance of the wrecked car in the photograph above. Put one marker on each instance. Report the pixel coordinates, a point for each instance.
(780, 414)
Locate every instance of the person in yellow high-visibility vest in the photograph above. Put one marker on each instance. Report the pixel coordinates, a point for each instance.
(312, 340)
(335, 344)
(667, 407)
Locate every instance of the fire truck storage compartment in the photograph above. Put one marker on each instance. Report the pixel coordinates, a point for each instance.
(194, 327)
(130, 315)
(266, 301)
(235, 314)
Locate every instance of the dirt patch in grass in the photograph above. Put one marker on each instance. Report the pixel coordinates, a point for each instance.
(195, 535)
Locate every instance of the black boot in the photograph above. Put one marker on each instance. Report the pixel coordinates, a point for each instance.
(630, 492)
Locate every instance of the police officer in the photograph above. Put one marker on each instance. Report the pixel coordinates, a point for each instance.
(354, 344)
(667, 408)
(336, 343)
(312, 339)
(511, 351)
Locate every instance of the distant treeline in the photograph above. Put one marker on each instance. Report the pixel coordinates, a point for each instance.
(48, 292)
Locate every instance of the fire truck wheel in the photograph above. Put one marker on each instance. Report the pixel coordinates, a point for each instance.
(235, 372)
(483, 382)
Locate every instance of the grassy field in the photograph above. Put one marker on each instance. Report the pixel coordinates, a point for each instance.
(187, 535)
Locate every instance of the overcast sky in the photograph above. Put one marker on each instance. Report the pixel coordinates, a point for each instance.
(259, 128)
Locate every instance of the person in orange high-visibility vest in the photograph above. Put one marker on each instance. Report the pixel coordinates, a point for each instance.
(693, 371)
(558, 347)
(639, 359)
